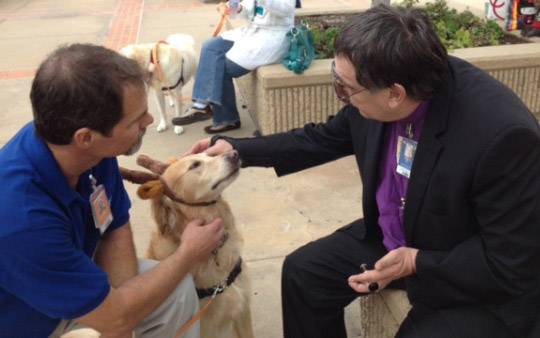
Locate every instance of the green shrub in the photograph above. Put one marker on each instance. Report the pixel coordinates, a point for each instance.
(324, 41)
(460, 30)
(456, 30)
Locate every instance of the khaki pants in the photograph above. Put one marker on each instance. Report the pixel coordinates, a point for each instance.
(165, 321)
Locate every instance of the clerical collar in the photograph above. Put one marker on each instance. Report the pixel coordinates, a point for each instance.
(413, 122)
(418, 114)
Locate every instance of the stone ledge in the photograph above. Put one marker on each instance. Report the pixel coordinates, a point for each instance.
(502, 57)
(279, 99)
(381, 313)
(277, 76)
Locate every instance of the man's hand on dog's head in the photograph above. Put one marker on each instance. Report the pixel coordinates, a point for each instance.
(199, 240)
(220, 147)
(198, 147)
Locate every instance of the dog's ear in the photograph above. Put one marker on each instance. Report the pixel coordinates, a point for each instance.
(136, 176)
(155, 166)
(150, 190)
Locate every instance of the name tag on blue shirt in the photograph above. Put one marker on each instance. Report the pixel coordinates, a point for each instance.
(406, 148)
(101, 209)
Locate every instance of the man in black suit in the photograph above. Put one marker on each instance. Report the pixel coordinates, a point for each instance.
(450, 164)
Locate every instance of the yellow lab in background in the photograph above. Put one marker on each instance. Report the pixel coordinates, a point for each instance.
(187, 189)
(175, 65)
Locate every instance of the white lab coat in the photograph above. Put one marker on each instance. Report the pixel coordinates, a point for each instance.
(263, 41)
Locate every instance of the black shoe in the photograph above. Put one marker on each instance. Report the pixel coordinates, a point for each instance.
(222, 128)
(193, 115)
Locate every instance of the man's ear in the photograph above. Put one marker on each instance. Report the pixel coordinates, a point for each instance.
(397, 94)
(83, 138)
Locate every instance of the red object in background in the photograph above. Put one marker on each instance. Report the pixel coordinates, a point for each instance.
(531, 27)
(522, 14)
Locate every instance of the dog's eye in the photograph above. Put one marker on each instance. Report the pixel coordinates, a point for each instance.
(194, 165)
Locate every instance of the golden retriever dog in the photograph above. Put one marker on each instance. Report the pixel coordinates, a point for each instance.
(190, 188)
(170, 65)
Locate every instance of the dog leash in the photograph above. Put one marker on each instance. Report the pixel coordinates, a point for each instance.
(155, 56)
(213, 292)
(221, 21)
(199, 314)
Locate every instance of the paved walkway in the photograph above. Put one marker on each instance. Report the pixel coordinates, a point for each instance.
(275, 215)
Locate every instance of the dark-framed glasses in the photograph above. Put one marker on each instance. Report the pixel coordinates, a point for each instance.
(343, 92)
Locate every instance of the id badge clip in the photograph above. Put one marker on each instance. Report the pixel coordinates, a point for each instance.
(101, 209)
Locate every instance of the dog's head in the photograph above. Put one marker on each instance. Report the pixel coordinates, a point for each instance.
(201, 178)
(195, 178)
(141, 54)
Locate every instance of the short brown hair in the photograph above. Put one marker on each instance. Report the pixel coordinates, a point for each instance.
(80, 85)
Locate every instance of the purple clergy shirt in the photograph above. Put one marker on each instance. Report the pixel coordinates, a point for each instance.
(392, 187)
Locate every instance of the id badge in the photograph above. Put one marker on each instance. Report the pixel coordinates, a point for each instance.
(405, 155)
(101, 210)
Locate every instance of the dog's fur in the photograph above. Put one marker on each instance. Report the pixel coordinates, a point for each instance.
(177, 58)
(194, 179)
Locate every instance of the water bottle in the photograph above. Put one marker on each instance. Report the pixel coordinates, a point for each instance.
(233, 6)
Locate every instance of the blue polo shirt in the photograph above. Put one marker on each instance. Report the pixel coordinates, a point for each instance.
(48, 237)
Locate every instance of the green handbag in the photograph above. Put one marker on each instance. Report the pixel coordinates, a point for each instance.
(301, 49)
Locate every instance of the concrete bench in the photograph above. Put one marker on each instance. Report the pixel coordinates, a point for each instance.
(382, 313)
(279, 100)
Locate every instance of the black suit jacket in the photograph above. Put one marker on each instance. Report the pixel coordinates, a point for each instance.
(473, 202)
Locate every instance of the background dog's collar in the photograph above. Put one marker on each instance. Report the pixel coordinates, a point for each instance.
(180, 80)
(154, 59)
(217, 289)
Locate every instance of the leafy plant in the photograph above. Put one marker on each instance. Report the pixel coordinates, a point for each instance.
(456, 30)
(459, 30)
(324, 41)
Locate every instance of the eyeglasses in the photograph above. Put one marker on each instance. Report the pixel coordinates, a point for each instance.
(342, 91)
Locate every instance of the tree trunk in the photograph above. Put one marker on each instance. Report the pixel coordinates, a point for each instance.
(378, 2)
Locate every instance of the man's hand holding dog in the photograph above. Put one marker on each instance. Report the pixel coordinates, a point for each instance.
(199, 240)
(396, 264)
(220, 147)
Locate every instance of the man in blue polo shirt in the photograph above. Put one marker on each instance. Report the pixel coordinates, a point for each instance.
(67, 257)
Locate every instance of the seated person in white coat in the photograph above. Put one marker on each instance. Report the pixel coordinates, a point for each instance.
(235, 53)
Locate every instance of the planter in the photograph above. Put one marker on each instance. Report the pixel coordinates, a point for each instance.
(279, 100)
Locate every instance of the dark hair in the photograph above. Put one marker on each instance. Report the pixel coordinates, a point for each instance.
(80, 85)
(390, 45)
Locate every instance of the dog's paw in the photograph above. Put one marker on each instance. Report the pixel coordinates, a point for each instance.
(162, 126)
(178, 130)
